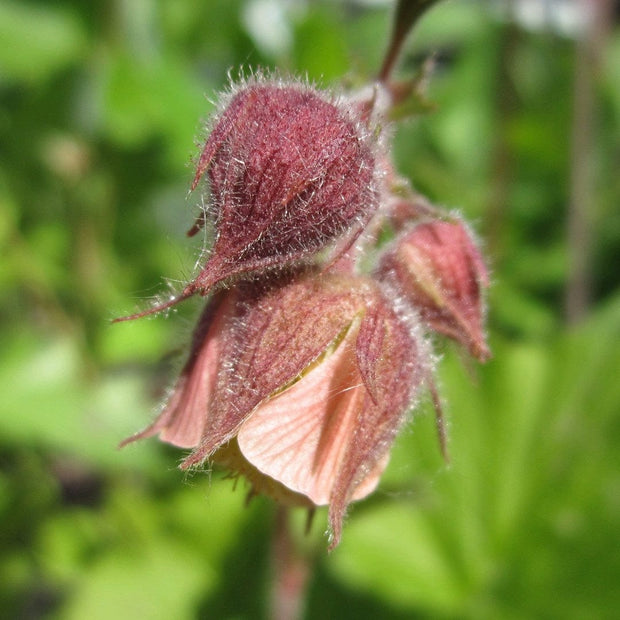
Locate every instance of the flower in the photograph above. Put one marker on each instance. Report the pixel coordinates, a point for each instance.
(300, 384)
(300, 372)
(440, 271)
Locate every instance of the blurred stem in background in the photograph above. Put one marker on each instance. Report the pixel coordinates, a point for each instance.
(502, 152)
(582, 208)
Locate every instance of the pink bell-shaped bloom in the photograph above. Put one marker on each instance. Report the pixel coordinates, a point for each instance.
(305, 382)
(440, 271)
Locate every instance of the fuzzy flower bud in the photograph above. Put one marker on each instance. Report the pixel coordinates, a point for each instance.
(301, 385)
(439, 269)
(289, 171)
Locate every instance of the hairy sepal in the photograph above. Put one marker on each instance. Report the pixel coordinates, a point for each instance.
(278, 332)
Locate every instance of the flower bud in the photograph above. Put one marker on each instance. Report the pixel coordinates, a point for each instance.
(289, 171)
(439, 269)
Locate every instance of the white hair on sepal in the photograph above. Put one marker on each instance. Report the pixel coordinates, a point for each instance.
(410, 317)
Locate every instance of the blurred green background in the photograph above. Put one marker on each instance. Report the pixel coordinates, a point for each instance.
(101, 108)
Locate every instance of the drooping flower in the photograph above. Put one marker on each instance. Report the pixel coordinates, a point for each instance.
(300, 384)
(300, 372)
(440, 270)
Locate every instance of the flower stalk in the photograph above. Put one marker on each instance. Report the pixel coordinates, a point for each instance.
(407, 13)
(291, 570)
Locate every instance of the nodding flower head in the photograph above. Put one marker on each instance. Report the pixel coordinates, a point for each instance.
(300, 372)
(300, 385)
(439, 269)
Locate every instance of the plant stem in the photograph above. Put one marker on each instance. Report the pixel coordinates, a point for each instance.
(291, 570)
(407, 14)
(582, 186)
(502, 163)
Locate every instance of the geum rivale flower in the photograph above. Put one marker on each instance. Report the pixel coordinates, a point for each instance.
(290, 171)
(301, 385)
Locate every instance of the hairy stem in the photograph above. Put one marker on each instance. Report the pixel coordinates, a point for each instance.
(291, 570)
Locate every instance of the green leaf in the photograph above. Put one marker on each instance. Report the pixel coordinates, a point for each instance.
(147, 98)
(51, 403)
(393, 552)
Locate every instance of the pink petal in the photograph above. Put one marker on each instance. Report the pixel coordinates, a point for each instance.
(182, 420)
(299, 437)
(188, 413)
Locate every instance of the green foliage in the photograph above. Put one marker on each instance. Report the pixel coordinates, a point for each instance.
(100, 107)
